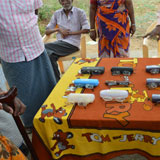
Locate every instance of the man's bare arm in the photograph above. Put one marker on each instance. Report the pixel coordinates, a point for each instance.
(50, 31)
(79, 32)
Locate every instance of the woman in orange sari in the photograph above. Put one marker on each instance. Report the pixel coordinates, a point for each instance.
(113, 28)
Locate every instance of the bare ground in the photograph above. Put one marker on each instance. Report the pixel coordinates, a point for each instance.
(135, 47)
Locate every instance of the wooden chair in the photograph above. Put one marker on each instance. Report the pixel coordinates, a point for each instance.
(79, 54)
(146, 42)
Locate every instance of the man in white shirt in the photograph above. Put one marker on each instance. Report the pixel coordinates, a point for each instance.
(69, 22)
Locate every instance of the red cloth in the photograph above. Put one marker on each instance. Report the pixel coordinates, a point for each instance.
(93, 1)
(138, 118)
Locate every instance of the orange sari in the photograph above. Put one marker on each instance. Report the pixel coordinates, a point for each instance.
(8, 151)
(113, 28)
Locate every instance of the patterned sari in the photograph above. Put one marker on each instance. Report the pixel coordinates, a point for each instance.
(113, 28)
(8, 151)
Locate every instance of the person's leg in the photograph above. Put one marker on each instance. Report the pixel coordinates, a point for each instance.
(34, 80)
(53, 58)
(59, 49)
(24, 149)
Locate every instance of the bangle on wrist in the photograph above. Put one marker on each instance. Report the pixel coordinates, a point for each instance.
(91, 30)
(133, 24)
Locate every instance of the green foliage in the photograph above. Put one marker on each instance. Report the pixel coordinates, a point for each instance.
(45, 12)
(145, 14)
(42, 27)
(83, 4)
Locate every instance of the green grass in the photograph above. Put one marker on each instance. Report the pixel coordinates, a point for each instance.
(145, 13)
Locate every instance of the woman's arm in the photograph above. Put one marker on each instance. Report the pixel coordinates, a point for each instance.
(129, 7)
(93, 10)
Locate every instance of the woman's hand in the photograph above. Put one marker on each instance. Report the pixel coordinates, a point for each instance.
(93, 35)
(132, 29)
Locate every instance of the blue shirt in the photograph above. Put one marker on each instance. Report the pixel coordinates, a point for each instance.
(76, 21)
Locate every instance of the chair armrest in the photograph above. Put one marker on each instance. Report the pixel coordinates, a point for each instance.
(45, 38)
(48, 38)
(151, 27)
(145, 48)
(158, 48)
(83, 46)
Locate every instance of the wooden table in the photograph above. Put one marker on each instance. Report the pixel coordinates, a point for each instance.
(101, 131)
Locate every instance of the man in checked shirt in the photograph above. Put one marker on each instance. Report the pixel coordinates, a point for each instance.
(71, 22)
(24, 60)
